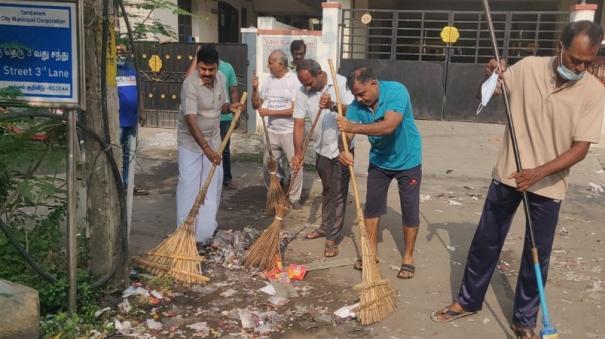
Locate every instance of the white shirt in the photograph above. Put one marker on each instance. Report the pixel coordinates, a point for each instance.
(206, 104)
(326, 134)
(279, 94)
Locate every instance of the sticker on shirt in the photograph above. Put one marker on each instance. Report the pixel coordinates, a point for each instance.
(126, 80)
(278, 103)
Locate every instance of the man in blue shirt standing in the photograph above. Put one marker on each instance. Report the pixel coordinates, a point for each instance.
(382, 110)
(226, 118)
(128, 102)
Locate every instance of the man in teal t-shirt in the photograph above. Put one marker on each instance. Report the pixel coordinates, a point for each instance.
(382, 110)
(231, 84)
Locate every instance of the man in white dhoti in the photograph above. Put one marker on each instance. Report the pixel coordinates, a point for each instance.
(203, 98)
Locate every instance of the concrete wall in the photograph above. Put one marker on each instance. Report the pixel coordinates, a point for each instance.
(205, 20)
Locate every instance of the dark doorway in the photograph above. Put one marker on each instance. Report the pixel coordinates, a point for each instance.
(228, 23)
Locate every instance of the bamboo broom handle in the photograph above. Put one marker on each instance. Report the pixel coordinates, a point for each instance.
(267, 143)
(305, 146)
(201, 196)
(345, 143)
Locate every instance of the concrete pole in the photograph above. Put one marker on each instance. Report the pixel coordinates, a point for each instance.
(72, 249)
(330, 34)
(249, 36)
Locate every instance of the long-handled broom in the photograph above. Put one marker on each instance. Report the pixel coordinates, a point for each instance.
(548, 330)
(275, 194)
(177, 256)
(262, 253)
(377, 297)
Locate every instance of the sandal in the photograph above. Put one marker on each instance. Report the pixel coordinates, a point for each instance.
(524, 333)
(446, 315)
(406, 271)
(359, 264)
(331, 250)
(315, 234)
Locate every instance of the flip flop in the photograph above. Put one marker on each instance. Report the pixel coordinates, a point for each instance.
(448, 315)
(406, 268)
(524, 333)
(331, 250)
(315, 234)
(359, 264)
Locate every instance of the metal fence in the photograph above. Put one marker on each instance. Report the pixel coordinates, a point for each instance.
(415, 35)
(162, 83)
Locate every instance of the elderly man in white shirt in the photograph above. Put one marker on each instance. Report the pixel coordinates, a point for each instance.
(203, 98)
(275, 103)
(316, 93)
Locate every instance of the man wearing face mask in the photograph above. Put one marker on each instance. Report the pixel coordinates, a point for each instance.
(557, 111)
(203, 98)
(316, 92)
(128, 109)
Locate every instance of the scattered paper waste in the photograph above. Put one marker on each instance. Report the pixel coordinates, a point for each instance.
(154, 325)
(269, 289)
(131, 290)
(596, 188)
(278, 301)
(228, 293)
(101, 311)
(124, 306)
(452, 202)
(347, 311)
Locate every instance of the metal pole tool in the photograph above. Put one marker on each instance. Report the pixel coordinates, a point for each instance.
(548, 330)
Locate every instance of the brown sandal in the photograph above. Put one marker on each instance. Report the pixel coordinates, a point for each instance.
(315, 234)
(331, 250)
(445, 315)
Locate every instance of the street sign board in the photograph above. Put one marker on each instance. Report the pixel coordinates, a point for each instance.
(40, 52)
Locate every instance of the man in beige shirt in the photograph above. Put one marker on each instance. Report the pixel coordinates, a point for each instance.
(203, 98)
(557, 111)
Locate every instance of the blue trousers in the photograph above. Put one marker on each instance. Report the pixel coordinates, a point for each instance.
(500, 206)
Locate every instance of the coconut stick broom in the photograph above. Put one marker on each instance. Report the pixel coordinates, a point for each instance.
(275, 194)
(177, 256)
(262, 253)
(377, 297)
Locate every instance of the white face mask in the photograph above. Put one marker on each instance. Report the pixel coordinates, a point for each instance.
(487, 90)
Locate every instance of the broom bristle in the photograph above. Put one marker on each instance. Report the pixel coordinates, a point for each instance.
(262, 253)
(176, 256)
(275, 193)
(377, 297)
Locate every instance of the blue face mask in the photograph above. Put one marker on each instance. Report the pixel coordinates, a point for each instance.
(567, 73)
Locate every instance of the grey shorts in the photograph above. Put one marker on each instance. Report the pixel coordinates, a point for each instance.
(409, 193)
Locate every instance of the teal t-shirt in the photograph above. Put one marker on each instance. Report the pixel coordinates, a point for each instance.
(402, 149)
(231, 80)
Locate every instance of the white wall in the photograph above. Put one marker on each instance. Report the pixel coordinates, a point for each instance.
(205, 20)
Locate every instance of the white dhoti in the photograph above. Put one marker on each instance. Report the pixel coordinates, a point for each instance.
(194, 168)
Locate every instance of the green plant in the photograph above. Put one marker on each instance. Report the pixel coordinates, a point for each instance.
(32, 204)
(145, 24)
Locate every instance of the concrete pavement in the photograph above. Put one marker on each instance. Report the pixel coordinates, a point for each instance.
(458, 158)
